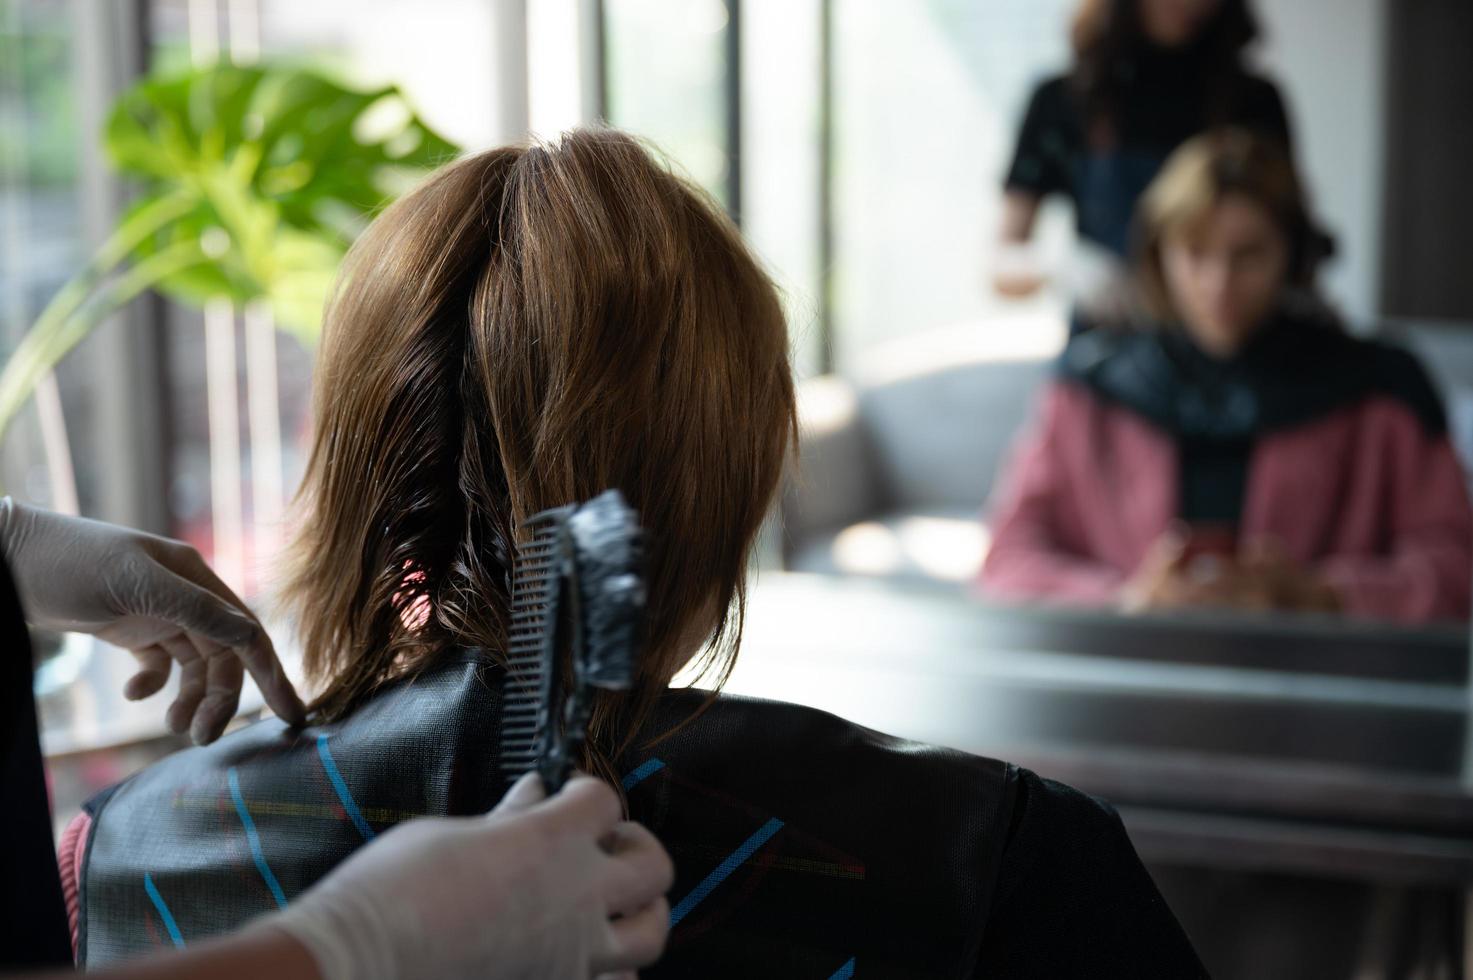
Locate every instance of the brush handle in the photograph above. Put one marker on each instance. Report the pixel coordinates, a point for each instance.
(556, 766)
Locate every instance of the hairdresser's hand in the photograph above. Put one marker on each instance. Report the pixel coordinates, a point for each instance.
(1099, 285)
(153, 596)
(538, 888)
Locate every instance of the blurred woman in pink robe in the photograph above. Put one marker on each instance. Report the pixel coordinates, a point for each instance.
(1242, 450)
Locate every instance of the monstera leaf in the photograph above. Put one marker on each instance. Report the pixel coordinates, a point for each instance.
(254, 181)
(281, 168)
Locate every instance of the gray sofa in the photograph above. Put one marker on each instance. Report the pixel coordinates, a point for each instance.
(896, 461)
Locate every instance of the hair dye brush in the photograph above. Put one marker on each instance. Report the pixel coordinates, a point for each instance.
(577, 585)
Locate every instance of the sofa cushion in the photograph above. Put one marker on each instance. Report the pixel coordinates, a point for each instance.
(832, 481)
(939, 439)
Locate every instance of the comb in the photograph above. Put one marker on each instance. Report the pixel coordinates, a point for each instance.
(577, 585)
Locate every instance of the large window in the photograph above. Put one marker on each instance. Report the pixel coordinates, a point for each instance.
(926, 96)
(859, 145)
(869, 140)
(666, 74)
(41, 243)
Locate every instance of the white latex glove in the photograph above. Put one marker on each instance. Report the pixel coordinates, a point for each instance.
(154, 597)
(1099, 284)
(538, 888)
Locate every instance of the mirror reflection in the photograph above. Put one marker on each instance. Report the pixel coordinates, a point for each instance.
(1193, 400)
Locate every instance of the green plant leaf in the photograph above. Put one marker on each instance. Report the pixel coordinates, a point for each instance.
(253, 182)
(269, 154)
(307, 265)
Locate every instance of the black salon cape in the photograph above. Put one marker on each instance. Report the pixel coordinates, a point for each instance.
(1299, 367)
(33, 924)
(864, 856)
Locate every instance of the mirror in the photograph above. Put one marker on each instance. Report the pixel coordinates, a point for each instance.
(1263, 406)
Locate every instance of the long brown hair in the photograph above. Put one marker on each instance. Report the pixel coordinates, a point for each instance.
(1203, 171)
(1106, 33)
(533, 325)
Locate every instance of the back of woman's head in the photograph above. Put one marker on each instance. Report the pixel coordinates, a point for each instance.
(530, 327)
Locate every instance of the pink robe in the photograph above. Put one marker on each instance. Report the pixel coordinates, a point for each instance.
(1365, 495)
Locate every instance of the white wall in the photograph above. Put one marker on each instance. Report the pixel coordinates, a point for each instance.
(1329, 58)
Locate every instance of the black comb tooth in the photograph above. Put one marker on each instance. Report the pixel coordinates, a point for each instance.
(535, 571)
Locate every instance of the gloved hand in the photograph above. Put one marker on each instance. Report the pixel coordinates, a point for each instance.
(153, 596)
(1100, 286)
(536, 889)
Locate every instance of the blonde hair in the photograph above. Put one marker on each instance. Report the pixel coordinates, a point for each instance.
(1199, 175)
(533, 325)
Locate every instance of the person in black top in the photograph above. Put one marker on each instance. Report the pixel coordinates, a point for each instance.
(34, 933)
(1147, 76)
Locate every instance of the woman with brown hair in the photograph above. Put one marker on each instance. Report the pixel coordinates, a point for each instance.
(530, 327)
(1242, 450)
(1147, 76)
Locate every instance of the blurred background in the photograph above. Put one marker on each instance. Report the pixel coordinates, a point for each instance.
(1298, 783)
